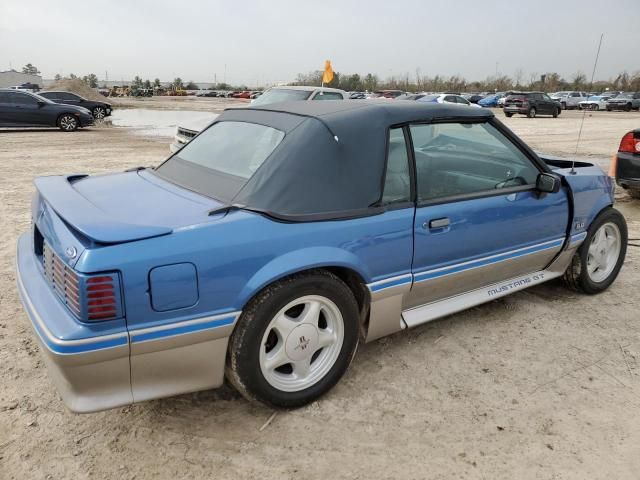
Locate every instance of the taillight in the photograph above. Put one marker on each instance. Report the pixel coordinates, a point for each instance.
(629, 144)
(102, 298)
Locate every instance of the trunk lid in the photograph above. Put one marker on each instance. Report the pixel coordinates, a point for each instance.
(121, 207)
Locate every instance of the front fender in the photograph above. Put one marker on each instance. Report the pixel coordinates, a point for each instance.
(299, 260)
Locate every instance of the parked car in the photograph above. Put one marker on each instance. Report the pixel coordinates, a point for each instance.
(531, 104)
(27, 87)
(446, 98)
(490, 101)
(185, 132)
(208, 93)
(626, 101)
(281, 237)
(23, 109)
(569, 100)
(627, 163)
(389, 93)
(474, 97)
(99, 110)
(594, 102)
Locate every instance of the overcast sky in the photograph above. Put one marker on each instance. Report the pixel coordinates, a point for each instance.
(263, 42)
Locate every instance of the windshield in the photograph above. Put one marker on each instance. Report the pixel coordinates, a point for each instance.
(276, 95)
(428, 98)
(222, 158)
(624, 95)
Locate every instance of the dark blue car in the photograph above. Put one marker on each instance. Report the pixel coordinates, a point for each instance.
(282, 236)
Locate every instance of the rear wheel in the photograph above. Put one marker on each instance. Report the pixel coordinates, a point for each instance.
(68, 122)
(532, 113)
(597, 262)
(627, 107)
(508, 114)
(556, 112)
(294, 340)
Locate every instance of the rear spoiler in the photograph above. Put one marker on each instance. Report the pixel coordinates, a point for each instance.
(88, 219)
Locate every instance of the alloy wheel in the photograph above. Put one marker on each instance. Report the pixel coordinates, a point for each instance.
(301, 343)
(604, 251)
(68, 123)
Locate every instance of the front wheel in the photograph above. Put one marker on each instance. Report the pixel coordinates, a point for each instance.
(508, 114)
(99, 113)
(599, 259)
(532, 113)
(294, 340)
(556, 112)
(68, 123)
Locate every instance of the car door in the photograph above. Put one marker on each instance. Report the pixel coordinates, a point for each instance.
(26, 109)
(479, 219)
(550, 104)
(7, 110)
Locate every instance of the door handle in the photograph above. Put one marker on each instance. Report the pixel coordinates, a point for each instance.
(437, 223)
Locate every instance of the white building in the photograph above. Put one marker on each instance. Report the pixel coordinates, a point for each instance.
(11, 78)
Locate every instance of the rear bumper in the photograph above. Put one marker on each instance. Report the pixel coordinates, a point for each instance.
(511, 109)
(628, 170)
(94, 371)
(90, 373)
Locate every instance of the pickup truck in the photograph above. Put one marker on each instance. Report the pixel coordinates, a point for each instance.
(569, 100)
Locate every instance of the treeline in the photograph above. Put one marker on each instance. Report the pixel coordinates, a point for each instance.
(548, 82)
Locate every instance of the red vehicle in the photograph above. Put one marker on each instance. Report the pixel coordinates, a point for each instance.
(245, 94)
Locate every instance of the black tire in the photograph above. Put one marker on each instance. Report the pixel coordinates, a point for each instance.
(556, 112)
(576, 277)
(243, 356)
(68, 122)
(99, 113)
(508, 114)
(596, 107)
(532, 112)
(563, 105)
(608, 109)
(627, 107)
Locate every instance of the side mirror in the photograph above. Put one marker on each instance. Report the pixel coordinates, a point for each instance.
(547, 183)
(41, 103)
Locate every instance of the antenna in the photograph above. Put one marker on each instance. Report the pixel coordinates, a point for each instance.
(584, 111)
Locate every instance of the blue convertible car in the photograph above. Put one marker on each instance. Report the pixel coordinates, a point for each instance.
(282, 236)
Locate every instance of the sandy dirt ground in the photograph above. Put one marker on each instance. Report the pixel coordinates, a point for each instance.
(542, 384)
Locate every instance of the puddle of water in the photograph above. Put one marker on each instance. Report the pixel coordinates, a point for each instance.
(157, 123)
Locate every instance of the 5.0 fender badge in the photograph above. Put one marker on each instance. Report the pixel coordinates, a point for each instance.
(71, 252)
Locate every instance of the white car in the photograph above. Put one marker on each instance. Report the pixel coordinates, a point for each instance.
(447, 98)
(595, 102)
(186, 132)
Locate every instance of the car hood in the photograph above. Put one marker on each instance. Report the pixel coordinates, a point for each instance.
(124, 207)
(620, 100)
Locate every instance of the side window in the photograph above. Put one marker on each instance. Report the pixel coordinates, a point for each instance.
(450, 99)
(546, 97)
(22, 99)
(462, 100)
(463, 158)
(397, 181)
(328, 96)
(575, 94)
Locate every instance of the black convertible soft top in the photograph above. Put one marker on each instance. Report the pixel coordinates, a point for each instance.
(331, 161)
